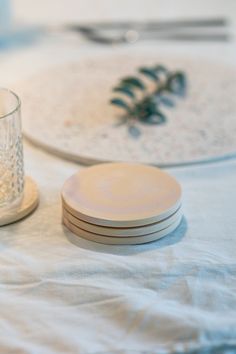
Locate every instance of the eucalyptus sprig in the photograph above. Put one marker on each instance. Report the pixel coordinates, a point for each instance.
(139, 103)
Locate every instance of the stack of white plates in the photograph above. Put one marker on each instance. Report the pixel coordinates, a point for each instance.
(121, 203)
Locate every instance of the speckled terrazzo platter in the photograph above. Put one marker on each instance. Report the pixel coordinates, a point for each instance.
(66, 111)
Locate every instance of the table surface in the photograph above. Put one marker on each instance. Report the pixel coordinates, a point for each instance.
(62, 294)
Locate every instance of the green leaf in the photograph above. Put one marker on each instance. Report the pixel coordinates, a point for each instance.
(161, 117)
(120, 103)
(166, 101)
(156, 118)
(133, 81)
(176, 83)
(160, 69)
(134, 131)
(146, 108)
(125, 90)
(150, 73)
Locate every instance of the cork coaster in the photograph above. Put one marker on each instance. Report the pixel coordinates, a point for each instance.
(121, 195)
(121, 240)
(27, 205)
(119, 232)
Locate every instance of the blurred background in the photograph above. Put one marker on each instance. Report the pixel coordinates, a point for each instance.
(58, 11)
(55, 11)
(34, 24)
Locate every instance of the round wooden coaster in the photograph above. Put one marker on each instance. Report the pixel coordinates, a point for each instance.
(119, 232)
(121, 195)
(28, 203)
(121, 240)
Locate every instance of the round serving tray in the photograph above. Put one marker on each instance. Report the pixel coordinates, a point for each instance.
(66, 111)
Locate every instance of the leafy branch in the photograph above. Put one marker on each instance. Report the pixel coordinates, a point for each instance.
(141, 104)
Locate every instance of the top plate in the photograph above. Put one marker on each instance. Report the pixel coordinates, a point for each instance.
(121, 194)
(73, 98)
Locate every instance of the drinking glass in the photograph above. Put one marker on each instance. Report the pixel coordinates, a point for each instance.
(11, 151)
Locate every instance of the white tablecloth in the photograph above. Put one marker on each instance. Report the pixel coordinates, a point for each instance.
(61, 294)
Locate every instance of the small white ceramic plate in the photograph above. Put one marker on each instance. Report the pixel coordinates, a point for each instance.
(121, 195)
(121, 240)
(119, 232)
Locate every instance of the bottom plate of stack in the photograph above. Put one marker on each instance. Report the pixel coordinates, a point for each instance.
(121, 203)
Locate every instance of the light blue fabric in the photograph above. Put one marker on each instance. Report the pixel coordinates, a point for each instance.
(5, 15)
